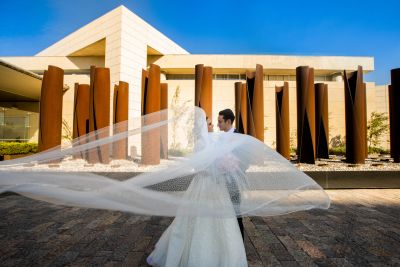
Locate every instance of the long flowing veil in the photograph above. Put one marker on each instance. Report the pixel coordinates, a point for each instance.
(165, 163)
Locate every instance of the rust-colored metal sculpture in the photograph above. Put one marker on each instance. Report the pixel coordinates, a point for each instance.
(81, 114)
(365, 120)
(394, 115)
(305, 114)
(81, 110)
(121, 97)
(203, 88)
(355, 107)
(151, 102)
(51, 99)
(255, 96)
(99, 111)
(282, 120)
(321, 121)
(241, 108)
(164, 129)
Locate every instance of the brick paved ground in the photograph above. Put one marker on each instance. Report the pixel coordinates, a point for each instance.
(362, 228)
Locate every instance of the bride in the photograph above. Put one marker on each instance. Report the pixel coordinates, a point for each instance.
(195, 186)
(202, 241)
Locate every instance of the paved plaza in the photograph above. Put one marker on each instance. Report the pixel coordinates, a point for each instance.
(362, 228)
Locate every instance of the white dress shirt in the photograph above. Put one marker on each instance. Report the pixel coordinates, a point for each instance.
(231, 130)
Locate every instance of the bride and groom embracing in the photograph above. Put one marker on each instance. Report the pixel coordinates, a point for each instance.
(209, 241)
(241, 176)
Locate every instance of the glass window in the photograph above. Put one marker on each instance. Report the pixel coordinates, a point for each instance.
(14, 125)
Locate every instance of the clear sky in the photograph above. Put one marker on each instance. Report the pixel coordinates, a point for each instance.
(308, 27)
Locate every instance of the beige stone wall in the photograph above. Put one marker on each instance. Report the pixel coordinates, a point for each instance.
(68, 97)
(127, 38)
(379, 102)
(223, 97)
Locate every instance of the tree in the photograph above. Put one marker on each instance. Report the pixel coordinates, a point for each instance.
(67, 132)
(377, 126)
(337, 141)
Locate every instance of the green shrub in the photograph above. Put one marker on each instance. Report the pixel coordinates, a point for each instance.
(340, 150)
(378, 150)
(13, 148)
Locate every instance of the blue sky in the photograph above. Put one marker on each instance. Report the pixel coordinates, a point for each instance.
(348, 28)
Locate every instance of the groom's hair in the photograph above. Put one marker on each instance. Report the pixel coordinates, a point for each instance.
(227, 114)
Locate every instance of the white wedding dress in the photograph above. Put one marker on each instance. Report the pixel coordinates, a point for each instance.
(202, 241)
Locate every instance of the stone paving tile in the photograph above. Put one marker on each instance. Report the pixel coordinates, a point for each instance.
(362, 228)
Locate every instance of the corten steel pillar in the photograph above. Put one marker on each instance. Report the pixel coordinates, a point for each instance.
(99, 111)
(50, 117)
(151, 102)
(81, 114)
(394, 114)
(255, 96)
(164, 116)
(241, 109)
(321, 121)
(305, 114)
(355, 107)
(282, 120)
(120, 117)
(203, 88)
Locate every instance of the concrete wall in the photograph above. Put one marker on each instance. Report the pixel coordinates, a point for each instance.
(224, 97)
(127, 38)
(379, 96)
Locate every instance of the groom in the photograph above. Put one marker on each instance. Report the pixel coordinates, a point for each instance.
(225, 121)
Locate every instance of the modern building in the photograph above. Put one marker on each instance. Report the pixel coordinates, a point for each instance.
(125, 43)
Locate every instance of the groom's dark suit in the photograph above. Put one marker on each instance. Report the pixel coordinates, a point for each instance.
(235, 198)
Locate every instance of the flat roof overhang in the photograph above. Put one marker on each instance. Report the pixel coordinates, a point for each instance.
(70, 64)
(19, 85)
(273, 64)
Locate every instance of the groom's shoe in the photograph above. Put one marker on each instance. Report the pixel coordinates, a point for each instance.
(240, 222)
